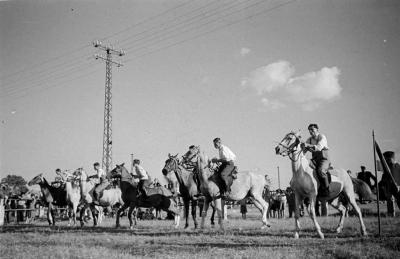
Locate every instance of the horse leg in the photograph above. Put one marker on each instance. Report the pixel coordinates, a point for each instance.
(120, 210)
(49, 217)
(297, 216)
(204, 212)
(82, 215)
(186, 211)
(262, 205)
(342, 209)
(314, 218)
(352, 200)
(94, 214)
(218, 205)
(212, 215)
(194, 207)
(130, 217)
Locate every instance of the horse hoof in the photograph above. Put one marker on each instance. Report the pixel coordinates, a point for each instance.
(321, 236)
(339, 230)
(131, 227)
(186, 226)
(296, 235)
(265, 226)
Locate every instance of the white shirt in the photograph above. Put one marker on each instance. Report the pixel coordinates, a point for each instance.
(139, 171)
(101, 173)
(226, 154)
(319, 142)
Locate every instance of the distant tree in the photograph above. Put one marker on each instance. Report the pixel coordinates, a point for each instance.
(14, 185)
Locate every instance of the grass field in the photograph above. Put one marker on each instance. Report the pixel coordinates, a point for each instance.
(241, 239)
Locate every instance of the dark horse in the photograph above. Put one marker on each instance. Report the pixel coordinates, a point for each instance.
(52, 196)
(130, 193)
(187, 187)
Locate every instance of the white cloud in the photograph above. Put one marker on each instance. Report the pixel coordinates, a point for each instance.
(273, 104)
(310, 90)
(244, 51)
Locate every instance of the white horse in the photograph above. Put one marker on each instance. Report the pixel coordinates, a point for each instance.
(247, 184)
(109, 197)
(305, 184)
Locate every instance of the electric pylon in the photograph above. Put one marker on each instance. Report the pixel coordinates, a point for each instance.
(107, 134)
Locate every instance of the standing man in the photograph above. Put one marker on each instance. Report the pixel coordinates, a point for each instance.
(317, 144)
(227, 159)
(103, 181)
(144, 178)
(392, 191)
(366, 176)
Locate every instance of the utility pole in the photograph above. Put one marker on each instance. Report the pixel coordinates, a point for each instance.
(107, 134)
(279, 179)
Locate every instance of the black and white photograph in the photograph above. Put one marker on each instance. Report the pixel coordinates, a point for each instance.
(199, 129)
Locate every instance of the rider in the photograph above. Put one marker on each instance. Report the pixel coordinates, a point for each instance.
(227, 159)
(317, 144)
(102, 176)
(58, 180)
(143, 175)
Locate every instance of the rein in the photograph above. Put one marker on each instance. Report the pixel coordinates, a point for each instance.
(291, 149)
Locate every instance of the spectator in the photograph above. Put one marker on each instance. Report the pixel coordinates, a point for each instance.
(243, 208)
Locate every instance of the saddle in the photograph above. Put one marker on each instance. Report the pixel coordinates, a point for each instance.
(157, 190)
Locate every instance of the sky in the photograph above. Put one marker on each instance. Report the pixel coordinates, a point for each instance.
(245, 71)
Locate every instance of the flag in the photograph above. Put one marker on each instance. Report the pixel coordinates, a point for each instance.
(385, 167)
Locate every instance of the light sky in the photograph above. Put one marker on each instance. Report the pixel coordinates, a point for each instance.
(245, 71)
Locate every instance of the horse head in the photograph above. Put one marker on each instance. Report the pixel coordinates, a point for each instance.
(289, 144)
(120, 171)
(36, 180)
(171, 165)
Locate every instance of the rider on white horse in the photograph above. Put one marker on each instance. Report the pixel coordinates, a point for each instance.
(227, 159)
(318, 146)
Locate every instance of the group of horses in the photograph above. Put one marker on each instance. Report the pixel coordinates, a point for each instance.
(198, 179)
(78, 192)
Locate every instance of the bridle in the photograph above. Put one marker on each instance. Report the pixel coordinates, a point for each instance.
(292, 148)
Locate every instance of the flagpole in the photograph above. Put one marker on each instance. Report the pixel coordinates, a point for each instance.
(377, 184)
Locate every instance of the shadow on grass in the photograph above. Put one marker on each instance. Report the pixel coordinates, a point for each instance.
(167, 232)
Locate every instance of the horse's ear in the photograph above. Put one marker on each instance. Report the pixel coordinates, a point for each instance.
(121, 165)
(176, 155)
(169, 155)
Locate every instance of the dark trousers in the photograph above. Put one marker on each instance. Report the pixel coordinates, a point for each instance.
(143, 184)
(99, 188)
(321, 167)
(225, 170)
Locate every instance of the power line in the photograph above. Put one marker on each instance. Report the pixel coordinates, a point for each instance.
(36, 65)
(177, 33)
(213, 30)
(39, 83)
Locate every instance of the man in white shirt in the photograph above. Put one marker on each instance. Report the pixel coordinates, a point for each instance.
(227, 159)
(103, 181)
(142, 175)
(318, 146)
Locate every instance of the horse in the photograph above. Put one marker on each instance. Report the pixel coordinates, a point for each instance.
(52, 196)
(73, 194)
(161, 199)
(305, 185)
(110, 197)
(187, 187)
(246, 184)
